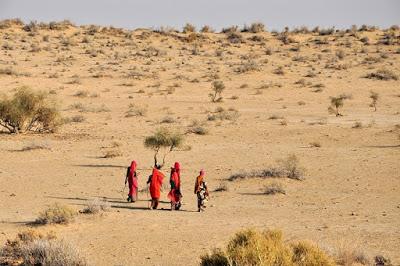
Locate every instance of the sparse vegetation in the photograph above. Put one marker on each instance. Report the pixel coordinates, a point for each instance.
(118, 85)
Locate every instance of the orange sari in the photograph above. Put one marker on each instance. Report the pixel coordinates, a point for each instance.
(156, 183)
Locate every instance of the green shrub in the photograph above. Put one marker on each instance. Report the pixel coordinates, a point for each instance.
(29, 111)
(337, 103)
(217, 89)
(163, 139)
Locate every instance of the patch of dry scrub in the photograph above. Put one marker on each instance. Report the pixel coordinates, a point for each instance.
(288, 167)
(251, 247)
(31, 248)
(56, 214)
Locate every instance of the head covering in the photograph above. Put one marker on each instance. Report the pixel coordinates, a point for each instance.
(177, 167)
(202, 173)
(133, 168)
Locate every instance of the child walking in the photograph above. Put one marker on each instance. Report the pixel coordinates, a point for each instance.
(201, 190)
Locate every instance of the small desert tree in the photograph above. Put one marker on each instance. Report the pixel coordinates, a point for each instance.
(163, 139)
(217, 88)
(336, 103)
(374, 97)
(27, 110)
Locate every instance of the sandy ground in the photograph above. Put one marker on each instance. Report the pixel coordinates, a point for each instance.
(351, 192)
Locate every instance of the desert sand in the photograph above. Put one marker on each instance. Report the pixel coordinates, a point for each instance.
(350, 195)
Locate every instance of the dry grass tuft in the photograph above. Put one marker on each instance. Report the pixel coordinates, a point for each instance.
(288, 167)
(36, 145)
(274, 188)
(136, 110)
(112, 154)
(383, 74)
(251, 247)
(32, 248)
(96, 206)
(197, 127)
(348, 254)
(222, 187)
(56, 214)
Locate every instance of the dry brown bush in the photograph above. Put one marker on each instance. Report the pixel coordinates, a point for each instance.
(217, 88)
(31, 248)
(251, 247)
(287, 167)
(189, 28)
(112, 154)
(96, 206)
(56, 214)
(383, 74)
(274, 188)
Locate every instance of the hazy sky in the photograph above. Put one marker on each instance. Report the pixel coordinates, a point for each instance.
(275, 14)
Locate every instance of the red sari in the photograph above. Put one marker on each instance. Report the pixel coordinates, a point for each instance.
(175, 195)
(156, 183)
(132, 181)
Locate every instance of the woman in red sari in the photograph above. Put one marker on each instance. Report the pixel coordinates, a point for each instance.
(175, 194)
(132, 180)
(155, 181)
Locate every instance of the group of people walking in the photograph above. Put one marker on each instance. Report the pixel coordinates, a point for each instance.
(155, 182)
